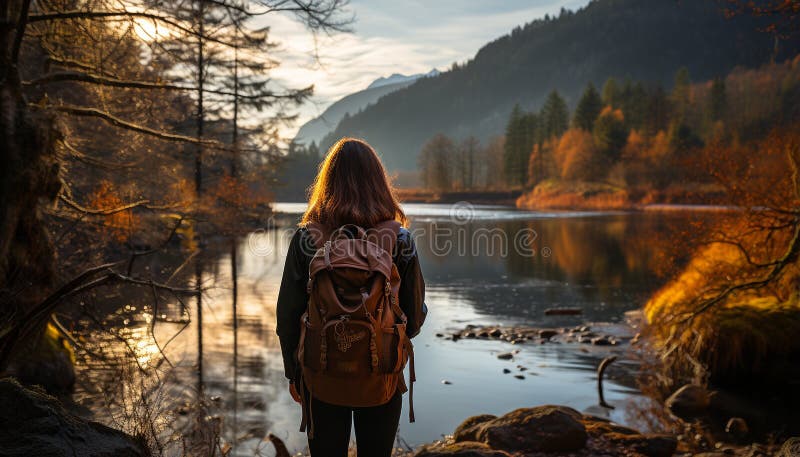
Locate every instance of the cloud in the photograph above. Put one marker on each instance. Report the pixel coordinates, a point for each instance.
(407, 37)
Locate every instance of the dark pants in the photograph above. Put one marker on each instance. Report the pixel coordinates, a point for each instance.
(376, 427)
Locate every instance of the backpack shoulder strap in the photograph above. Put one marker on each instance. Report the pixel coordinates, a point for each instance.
(384, 234)
(318, 233)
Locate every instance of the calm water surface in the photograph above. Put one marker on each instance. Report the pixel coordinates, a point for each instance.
(482, 265)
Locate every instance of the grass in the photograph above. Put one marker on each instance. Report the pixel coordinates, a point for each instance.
(749, 339)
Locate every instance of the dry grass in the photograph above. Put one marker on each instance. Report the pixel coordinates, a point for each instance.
(556, 194)
(747, 339)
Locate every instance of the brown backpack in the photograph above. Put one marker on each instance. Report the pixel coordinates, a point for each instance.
(353, 344)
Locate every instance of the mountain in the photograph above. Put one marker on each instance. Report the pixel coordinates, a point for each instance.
(316, 129)
(645, 40)
(398, 78)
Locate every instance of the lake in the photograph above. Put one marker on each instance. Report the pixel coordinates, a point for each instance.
(483, 265)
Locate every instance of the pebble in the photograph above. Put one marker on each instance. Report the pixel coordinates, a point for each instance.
(506, 371)
(446, 382)
(505, 356)
(519, 376)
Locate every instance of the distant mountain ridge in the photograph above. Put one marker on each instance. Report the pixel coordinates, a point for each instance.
(398, 78)
(645, 40)
(316, 129)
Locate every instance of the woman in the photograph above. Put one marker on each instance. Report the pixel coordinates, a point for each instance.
(351, 195)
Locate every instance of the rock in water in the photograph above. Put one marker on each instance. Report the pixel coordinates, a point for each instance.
(689, 401)
(465, 449)
(540, 429)
(36, 424)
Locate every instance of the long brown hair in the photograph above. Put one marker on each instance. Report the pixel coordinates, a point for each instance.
(351, 187)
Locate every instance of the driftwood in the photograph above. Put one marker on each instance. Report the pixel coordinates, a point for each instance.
(280, 447)
(601, 369)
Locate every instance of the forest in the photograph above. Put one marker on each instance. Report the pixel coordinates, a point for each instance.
(132, 132)
(564, 53)
(626, 144)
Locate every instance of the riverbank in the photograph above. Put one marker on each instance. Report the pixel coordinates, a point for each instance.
(563, 195)
(488, 197)
(556, 194)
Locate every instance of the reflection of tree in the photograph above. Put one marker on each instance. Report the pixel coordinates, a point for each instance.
(604, 252)
(611, 259)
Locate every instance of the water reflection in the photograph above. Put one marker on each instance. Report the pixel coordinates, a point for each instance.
(605, 263)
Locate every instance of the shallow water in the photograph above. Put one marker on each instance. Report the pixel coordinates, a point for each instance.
(482, 265)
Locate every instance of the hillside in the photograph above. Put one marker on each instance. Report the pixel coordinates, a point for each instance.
(316, 129)
(645, 40)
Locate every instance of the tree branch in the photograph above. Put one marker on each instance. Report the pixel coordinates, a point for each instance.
(20, 32)
(117, 122)
(789, 257)
(61, 76)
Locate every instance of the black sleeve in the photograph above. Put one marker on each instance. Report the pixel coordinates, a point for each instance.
(412, 285)
(292, 302)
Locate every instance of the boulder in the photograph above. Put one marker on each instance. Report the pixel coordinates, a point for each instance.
(466, 430)
(547, 333)
(650, 445)
(689, 401)
(463, 449)
(599, 426)
(540, 429)
(35, 424)
(728, 404)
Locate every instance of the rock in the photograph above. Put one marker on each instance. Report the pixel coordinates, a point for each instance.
(506, 371)
(466, 430)
(601, 341)
(651, 445)
(543, 428)
(737, 427)
(519, 376)
(464, 449)
(496, 333)
(726, 404)
(36, 424)
(446, 382)
(600, 426)
(689, 401)
(505, 356)
(547, 333)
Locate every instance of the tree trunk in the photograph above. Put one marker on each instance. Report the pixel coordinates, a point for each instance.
(29, 178)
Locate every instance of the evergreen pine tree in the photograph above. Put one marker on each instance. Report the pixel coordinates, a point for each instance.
(554, 116)
(588, 109)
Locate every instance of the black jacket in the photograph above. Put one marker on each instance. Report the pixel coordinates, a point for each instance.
(293, 298)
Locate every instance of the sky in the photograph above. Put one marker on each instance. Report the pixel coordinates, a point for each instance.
(393, 36)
